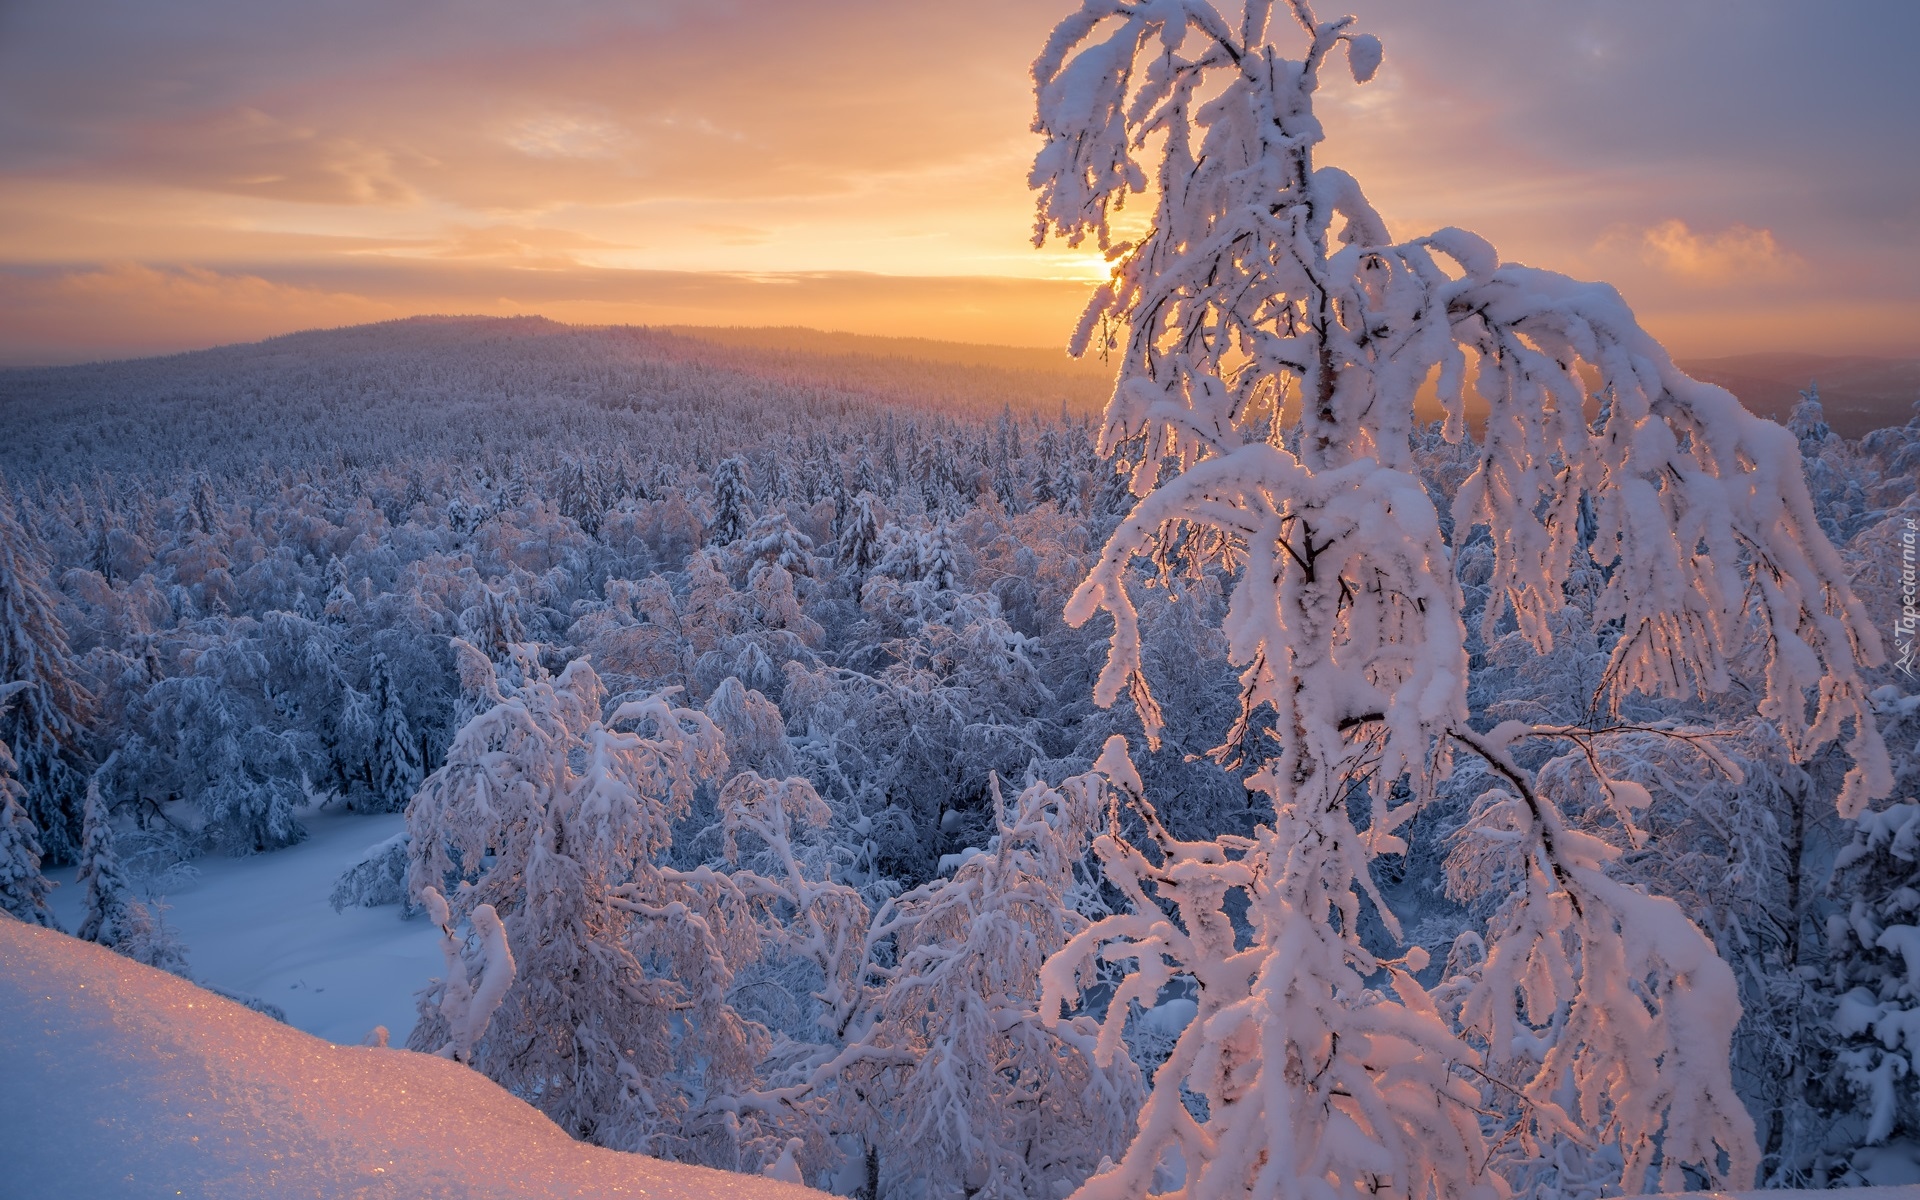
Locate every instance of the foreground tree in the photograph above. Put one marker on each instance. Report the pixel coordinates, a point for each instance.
(1269, 359)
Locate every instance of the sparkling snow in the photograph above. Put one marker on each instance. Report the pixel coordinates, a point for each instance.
(125, 1081)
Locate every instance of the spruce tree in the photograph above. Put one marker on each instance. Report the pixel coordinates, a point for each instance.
(108, 890)
(398, 769)
(23, 889)
(860, 540)
(45, 723)
(732, 502)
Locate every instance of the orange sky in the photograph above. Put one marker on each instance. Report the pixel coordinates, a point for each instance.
(211, 171)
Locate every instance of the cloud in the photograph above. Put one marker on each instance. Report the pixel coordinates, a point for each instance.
(252, 153)
(529, 246)
(1737, 254)
(558, 136)
(1639, 141)
(129, 308)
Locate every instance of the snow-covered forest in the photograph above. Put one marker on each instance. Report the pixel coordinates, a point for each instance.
(891, 774)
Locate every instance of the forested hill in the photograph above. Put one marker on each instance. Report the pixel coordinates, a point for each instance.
(465, 387)
(475, 386)
(1858, 393)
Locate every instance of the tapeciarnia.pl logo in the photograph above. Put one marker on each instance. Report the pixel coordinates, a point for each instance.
(1908, 622)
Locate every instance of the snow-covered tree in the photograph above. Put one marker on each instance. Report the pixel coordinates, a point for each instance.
(860, 539)
(397, 769)
(23, 889)
(937, 566)
(756, 733)
(115, 916)
(1808, 421)
(617, 1022)
(773, 539)
(462, 1006)
(48, 718)
(1873, 949)
(964, 1088)
(493, 624)
(1271, 337)
(214, 736)
(377, 878)
(732, 502)
(108, 891)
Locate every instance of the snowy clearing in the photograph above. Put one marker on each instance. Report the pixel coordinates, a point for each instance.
(126, 1081)
(261, 926)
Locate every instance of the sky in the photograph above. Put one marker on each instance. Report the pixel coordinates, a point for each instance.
(200, 172)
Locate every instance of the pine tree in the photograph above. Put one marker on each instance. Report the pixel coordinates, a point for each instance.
(1808, 422)
(340, 602)
(937, 563)
(23, 889)
(860, 547)
(732, 502)
(1067, 488)
(115, 917)
(108, 890)
(398, 769)
(1873, 949)
(47, 721)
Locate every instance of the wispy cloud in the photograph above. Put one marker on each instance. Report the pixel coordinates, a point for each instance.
(553, 135)
(1737, 254)
(844, 136)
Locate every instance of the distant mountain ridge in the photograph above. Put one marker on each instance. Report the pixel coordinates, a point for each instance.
(1859, 393)
(423, 361)
(371, 393)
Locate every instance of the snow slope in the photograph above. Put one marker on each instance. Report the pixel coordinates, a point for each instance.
(261, 925)
(120, 1080)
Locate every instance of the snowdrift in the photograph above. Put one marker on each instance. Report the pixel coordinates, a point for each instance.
(119, 1080)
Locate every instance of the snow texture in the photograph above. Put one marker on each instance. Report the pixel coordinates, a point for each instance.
(261, 926)
(123, 1081)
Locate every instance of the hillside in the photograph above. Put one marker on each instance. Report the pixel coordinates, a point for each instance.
(1859, 393)
(473, 385)
(125, 1081)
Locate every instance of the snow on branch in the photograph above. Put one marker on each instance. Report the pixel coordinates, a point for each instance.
(1272, 336)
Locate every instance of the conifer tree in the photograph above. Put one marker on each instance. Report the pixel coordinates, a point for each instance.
(732, 502)
(1874, 950)
(937, 564)
(23, 889)
(48, 718)
(860, 547)
(102, 878)
(398, 768)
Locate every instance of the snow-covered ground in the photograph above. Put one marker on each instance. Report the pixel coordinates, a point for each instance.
(261, 925)
(123, 1081)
